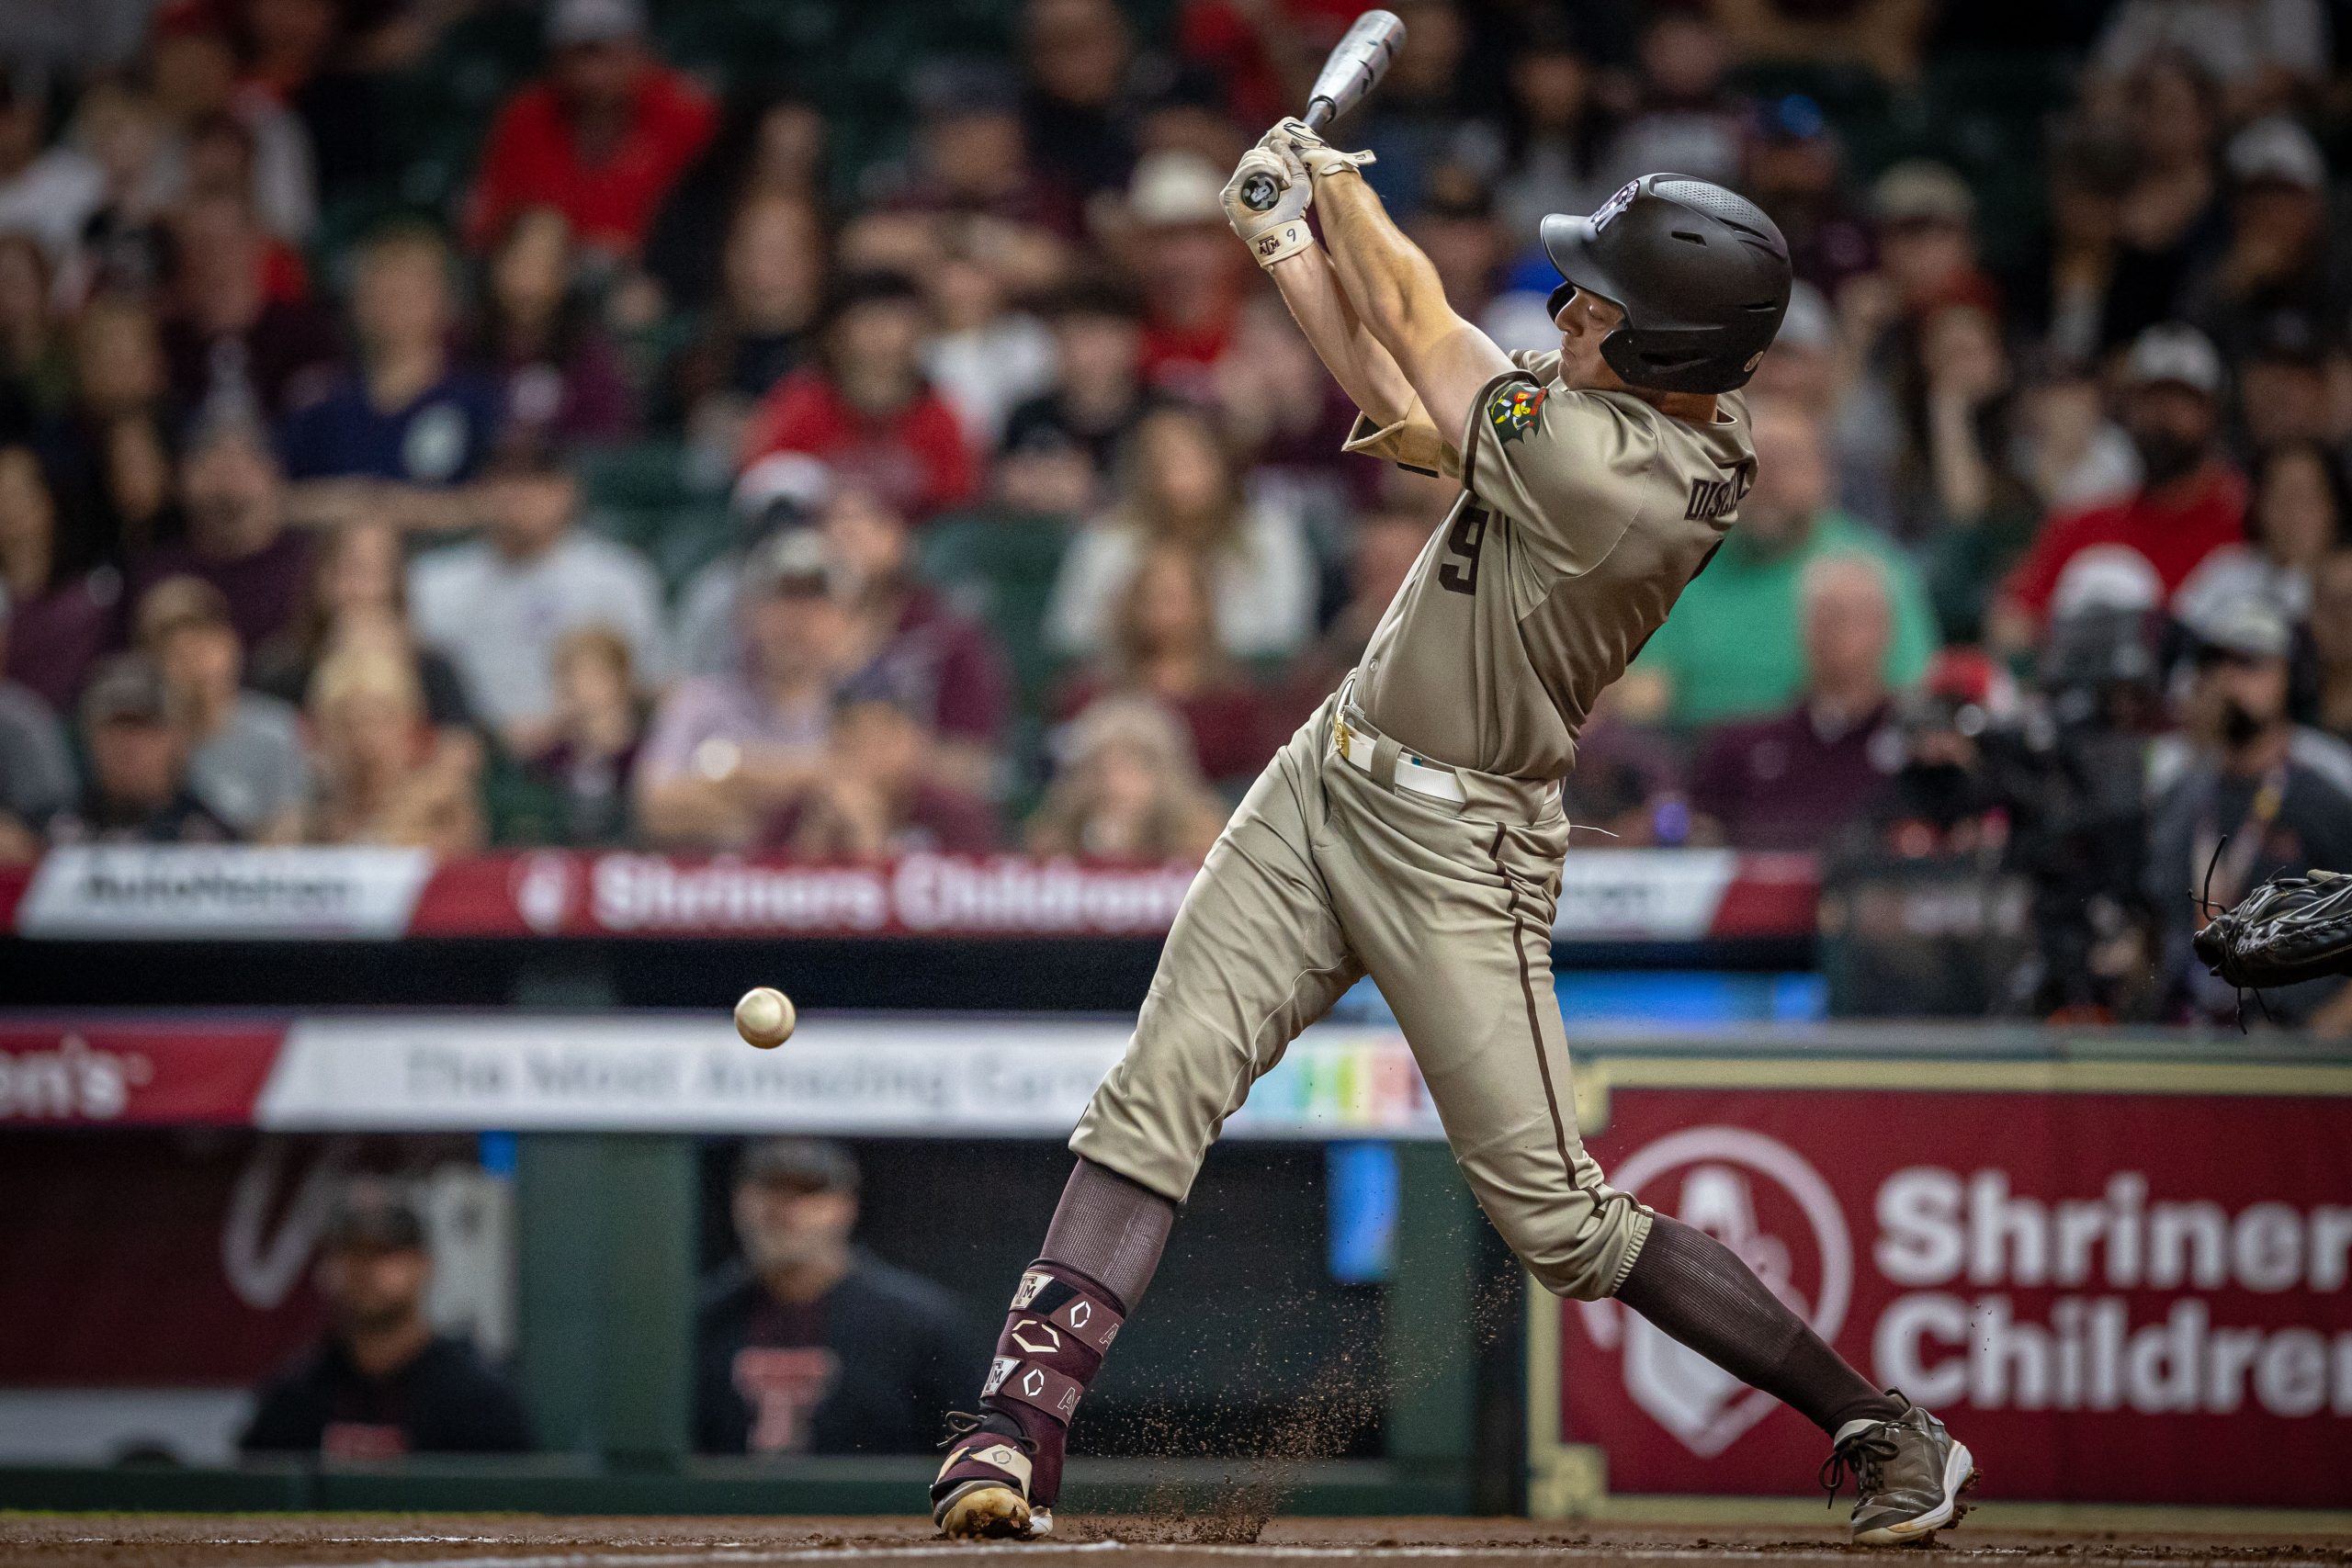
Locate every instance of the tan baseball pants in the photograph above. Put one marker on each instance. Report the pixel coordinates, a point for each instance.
(1322, 877)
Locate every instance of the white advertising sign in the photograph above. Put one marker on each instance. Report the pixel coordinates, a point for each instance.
(912, 1077)
(206, 891)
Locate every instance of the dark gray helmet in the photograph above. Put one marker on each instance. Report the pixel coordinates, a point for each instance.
(1701, 274)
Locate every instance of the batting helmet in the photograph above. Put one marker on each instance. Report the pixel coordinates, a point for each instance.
(1701, 274)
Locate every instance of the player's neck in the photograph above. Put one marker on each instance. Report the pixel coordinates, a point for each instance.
(1691, 408)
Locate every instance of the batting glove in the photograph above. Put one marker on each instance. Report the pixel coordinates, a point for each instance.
(1280, 230)
(1319, 156)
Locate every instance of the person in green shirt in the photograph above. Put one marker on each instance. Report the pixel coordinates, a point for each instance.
(1732, 647)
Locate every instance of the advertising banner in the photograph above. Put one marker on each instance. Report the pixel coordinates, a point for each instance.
(202, 893)
(2111, 1297)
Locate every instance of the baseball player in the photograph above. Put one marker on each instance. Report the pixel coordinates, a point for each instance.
(1412, 829)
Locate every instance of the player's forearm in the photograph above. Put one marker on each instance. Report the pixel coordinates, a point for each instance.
(1389, 283)
(1363, 369)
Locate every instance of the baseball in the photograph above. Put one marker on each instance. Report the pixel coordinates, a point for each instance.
(766, 1017)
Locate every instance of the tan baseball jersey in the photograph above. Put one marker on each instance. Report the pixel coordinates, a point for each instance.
(1582, 515)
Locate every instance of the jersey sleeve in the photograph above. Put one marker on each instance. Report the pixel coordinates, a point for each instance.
(1413, 442)
(1566, 466)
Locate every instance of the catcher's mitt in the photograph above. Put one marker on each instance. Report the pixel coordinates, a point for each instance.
(2288, 929)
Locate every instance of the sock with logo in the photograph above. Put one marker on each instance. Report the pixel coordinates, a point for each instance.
(1101, 1252)
(1697, 1292)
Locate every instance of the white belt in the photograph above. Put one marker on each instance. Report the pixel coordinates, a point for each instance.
(1432, 779)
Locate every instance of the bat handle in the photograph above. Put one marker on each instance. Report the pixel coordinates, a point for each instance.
(1259, 192)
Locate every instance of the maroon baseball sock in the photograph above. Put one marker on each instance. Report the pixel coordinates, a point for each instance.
(1101, 1251)
(1698, 1292)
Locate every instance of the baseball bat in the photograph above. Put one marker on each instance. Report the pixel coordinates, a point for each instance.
(1350, 70)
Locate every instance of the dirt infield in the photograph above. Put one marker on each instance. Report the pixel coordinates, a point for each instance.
(109, 1540)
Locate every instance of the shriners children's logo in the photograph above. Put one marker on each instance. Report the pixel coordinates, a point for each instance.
(1515, 410)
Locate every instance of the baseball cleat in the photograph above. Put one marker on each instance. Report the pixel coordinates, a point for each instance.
(983, 1493)
(1911, 1478)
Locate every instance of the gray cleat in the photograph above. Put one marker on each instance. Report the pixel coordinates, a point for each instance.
(1910, 1476)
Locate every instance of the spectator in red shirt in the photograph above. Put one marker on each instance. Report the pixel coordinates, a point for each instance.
(601, 140)
(864, 408)
(2136, 552)
(1183, 260)
(875, 794)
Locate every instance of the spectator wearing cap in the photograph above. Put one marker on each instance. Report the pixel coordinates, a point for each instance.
(1183, 261)
(2282, 253)
(382, 1383)
(1796, 781)
(137, 789)
(229, 341)
(498, 605)
(1126, 787)
(408, 417)
(601, 138)
(879, 791)
(807, 1343)
(1925, 218)
(865, 409)
(245, 758)
(2138, 551)
(781, 492)
(1733, 649)
(45, 191)
(63, 611)
(942, 663)
(2298, 514)
(1793, 169)
(2258, 795)
(233, 495)
(381, 776)
(727, 752)
(36, 765)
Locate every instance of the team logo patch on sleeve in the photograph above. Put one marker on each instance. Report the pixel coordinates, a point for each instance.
(1515, 409)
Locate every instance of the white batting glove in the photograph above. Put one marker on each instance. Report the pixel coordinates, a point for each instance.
(1318, 156)
(1280, 230)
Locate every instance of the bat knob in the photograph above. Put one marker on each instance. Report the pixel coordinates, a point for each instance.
(1258, 193)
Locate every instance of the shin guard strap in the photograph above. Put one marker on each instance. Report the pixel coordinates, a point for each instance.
(1040, 1387)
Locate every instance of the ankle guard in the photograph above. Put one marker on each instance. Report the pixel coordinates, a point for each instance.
(1055, 1335)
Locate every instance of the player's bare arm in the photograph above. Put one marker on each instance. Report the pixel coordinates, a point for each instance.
(1393, 290)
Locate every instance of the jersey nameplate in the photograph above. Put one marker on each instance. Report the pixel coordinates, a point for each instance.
(1710, 499)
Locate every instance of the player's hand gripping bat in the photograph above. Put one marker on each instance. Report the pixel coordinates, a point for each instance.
(1354, 67)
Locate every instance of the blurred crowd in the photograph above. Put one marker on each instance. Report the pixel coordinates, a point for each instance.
(835, 430)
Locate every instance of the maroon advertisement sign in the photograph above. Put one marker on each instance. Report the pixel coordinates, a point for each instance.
(2109, 1298)
(73, 1073)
